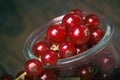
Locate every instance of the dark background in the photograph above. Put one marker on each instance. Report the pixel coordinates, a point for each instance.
(18, 18)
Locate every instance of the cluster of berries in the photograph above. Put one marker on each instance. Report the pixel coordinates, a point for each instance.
(75, 33)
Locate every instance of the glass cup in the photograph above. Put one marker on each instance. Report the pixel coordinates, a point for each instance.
(101, 62)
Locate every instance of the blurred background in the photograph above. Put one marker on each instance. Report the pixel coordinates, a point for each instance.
(18, 18)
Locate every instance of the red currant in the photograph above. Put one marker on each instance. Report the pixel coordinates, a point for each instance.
(67, 49)
(49, 58)
(56, 33)
(33, 67)
(106, 60)
(86, 72)
(92, 20)
(80, 13)
(96, 35)
(79, 34)
(6, 77)
(70, 19)
(39, 48)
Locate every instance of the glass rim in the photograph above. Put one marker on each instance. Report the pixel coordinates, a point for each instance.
(100, 45)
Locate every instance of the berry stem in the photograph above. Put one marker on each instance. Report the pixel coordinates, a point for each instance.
(21, 76)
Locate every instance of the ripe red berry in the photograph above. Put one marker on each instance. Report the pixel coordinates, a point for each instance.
(49, 58)
(33, 67)
(96, 35)
(86, 72)
(80, 13)
(6, 77)
(70, 19)
(67, 49)
(106, 61)
(39, 48)
(79, 34)
(92, 20)
(56, 33)
(47, 75)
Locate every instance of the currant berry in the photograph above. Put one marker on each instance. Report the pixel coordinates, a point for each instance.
(96, 35)
(33, 67)
(92, 20)
(86, 72)
(6, 77)
(106, 61)
(39, 48)
(56, 33)
(47, 75)
(70, 19)
(49, 58)
(79, 34)
(67, 49)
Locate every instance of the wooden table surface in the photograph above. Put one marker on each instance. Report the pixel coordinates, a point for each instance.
(18, 18)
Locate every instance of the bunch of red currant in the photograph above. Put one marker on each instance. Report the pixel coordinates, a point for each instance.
(75, 33)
